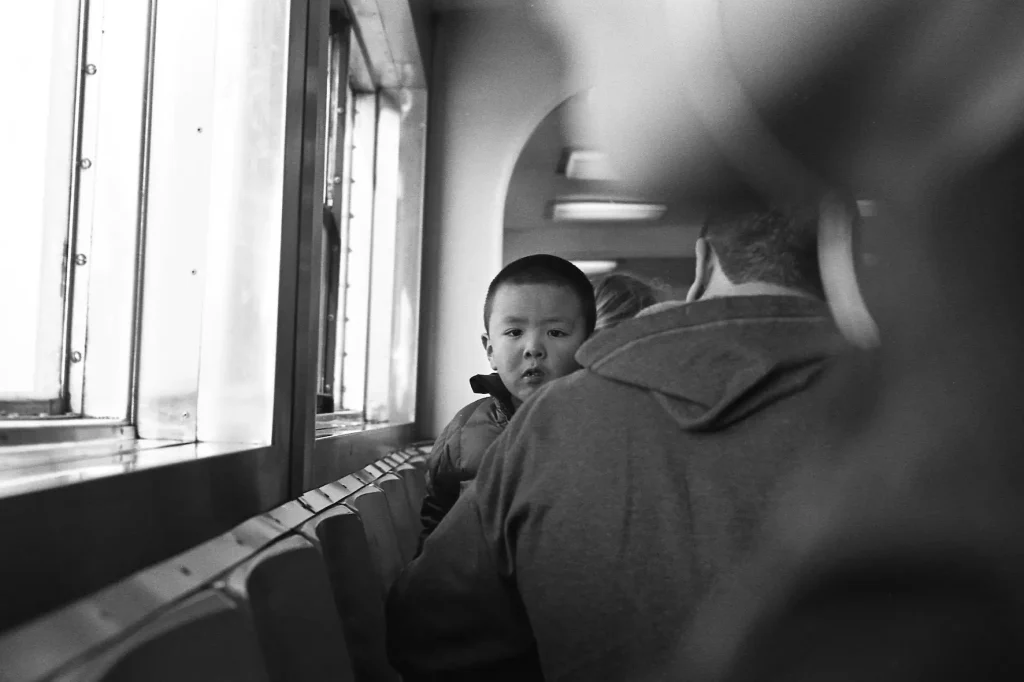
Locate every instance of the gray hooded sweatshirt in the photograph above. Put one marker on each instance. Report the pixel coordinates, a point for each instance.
(615, 498)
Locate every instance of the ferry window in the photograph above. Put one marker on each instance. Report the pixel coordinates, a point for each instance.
(335, 219)
(383, 260)
(358, 257)
(67, 346)
(213, 226)
(378, 272)
(347, 233)
(37, 138)
(373, 200)
(370, 292)
(146, 198)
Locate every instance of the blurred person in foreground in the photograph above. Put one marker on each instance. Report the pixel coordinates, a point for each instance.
(609, 505)
(901, 556)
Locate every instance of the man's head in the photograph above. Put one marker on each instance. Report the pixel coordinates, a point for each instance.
(764, 252)
(539, 310)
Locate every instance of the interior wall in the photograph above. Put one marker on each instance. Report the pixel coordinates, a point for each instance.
(495, 76)
(636, 242)
(423, 24)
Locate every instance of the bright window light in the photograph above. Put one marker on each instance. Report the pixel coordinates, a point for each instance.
(37, 140)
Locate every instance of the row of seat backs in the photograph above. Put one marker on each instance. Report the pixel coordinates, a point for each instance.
(294, 594)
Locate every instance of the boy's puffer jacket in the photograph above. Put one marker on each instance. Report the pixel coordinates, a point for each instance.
(457, 452)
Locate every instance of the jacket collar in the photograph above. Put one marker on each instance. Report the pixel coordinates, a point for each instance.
(492, 385)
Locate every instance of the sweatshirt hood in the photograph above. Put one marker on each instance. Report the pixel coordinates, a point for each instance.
(714, 362)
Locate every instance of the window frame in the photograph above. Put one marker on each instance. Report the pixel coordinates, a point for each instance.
(81, 438)
(380, 224)
(175, 496)
(335, 214)
(100, 271)
(16, 409)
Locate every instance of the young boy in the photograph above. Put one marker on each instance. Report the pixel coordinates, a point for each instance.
(539, 310)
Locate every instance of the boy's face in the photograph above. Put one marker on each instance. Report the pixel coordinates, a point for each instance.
(533, 335)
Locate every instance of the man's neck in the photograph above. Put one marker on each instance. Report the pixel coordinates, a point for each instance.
(720, 289)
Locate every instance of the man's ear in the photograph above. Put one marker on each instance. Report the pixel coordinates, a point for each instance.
(489, 349)
(702, 272)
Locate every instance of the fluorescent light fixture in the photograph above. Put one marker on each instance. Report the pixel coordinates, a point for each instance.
(624, 211)
(867, 208)
(595, 267)
(588, 164)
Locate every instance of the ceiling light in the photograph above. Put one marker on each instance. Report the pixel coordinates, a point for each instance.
(623, 211)
(595, 267)
(588, 164)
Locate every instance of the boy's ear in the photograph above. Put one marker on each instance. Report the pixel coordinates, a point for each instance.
(489, 349)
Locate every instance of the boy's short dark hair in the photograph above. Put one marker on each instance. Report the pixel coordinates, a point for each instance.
(778, 246)
(543, 268)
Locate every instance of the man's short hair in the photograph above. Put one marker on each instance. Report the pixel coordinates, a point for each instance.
(543, 268)
(776, 246)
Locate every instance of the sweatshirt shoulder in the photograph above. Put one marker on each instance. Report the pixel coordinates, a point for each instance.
(580, 408)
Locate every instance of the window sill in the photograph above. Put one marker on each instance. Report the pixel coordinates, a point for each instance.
(342, 423)
(347, 450)
(59, 430)
(32, 468)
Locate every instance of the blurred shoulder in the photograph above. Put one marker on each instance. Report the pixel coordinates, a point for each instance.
(564, 396)
(565, 416)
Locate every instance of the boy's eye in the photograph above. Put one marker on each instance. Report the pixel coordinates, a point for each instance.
(557, 333)
(514, 333)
